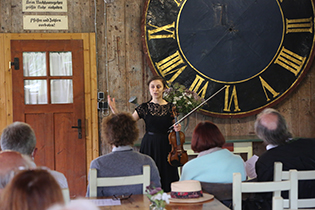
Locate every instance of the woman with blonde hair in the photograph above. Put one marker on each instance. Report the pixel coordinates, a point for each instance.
(31, 190)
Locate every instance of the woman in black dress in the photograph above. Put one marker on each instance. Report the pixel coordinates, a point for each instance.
(157, 115)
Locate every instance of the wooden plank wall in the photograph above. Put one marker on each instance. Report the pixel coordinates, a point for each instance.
(123, 71)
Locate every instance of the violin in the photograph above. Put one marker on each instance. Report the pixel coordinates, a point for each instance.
(177, 156)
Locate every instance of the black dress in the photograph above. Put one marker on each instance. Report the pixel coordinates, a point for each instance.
(155, 143)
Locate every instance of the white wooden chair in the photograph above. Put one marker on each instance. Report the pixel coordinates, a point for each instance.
(280, 175)
(95, 181)
(277, 203)
(240, 187)
(66, 194)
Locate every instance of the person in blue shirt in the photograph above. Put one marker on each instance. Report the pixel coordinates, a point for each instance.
(213, 163)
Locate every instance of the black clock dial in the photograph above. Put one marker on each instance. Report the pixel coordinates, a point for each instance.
(229, 40)
(259, 49)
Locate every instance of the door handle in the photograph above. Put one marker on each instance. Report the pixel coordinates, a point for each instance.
(79, 127)
(15, 63)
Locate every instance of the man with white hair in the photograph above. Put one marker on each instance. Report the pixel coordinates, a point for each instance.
(20, 137)
(271, 127)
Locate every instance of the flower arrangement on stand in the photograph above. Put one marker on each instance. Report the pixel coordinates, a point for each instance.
(184, 99)
(158, 197)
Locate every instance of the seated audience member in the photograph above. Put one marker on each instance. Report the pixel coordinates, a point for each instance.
(213, 164)
(78, 204)
(20, 137)
(9, 162)
(121, 131)
(271, 127)
(33, 189)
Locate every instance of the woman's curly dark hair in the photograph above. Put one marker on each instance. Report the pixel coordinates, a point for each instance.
(120, 129)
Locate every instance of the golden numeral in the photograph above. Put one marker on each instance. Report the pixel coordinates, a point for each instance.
(178, 2)
(170, 29)
(196, 86)
(265, 86)
(299, 25)
(168, 66)
(290, 61)
(227, 104)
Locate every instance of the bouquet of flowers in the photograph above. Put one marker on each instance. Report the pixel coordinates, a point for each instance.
(157, 196)
(184, 99)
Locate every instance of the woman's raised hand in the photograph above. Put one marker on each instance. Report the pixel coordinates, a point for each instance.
(112, 104)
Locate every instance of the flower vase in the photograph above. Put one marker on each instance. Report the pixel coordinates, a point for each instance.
(154, 207)
(184, 123)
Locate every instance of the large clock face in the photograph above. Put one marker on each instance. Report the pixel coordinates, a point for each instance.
(259, 50)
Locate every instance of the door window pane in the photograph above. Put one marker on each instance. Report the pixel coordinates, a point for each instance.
(61, 91)
(34, 64)
(35, 91)
(60, 63)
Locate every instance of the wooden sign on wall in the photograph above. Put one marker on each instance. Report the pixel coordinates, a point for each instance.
(44, 6)
(45, 22)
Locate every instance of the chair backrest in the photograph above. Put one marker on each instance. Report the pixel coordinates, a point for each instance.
(66, 194)
(95, 181)
(221, 191)
(280, 175)
(240, 187)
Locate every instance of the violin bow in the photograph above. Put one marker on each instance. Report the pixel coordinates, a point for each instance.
(197, 107)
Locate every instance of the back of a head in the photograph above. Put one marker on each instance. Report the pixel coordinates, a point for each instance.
(20, 137)
(271, 127)
(31, 190)
(120, 129)
(206, 135)
(11, 161)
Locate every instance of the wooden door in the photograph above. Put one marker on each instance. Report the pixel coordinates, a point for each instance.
(48, 94)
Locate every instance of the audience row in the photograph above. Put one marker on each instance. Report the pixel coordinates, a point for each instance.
(21, 180)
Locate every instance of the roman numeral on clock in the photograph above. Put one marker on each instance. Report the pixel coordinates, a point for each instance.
(266, 86)
(178, 2)
(290, 61)
(196, 86)
(163, 32)
(228, 100)
(299, 25)
(169, 66)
